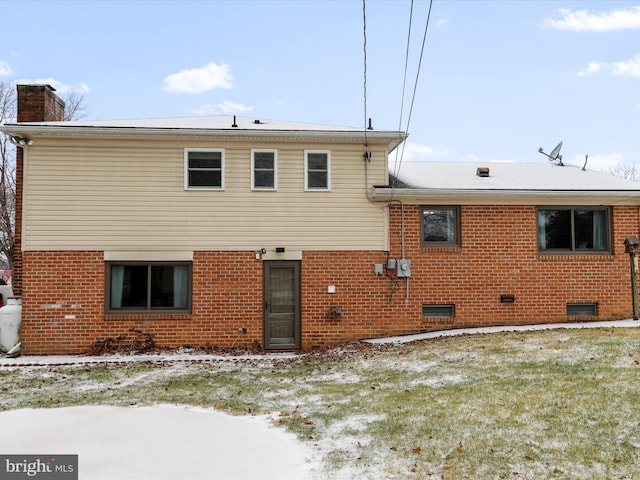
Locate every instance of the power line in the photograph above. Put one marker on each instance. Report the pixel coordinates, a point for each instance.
(364, 33)
(404, 84)
(415, 88)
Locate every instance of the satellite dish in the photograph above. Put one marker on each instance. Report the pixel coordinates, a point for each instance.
(554, 155)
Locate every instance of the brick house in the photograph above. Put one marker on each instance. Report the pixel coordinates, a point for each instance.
(233, 231)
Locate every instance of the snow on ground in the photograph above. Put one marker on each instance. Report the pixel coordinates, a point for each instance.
(145, 442)
(157, 443)
(515, 328)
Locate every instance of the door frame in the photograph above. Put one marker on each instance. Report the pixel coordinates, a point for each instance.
(297, 268)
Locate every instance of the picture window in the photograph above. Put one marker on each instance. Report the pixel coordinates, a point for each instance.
(148, 287)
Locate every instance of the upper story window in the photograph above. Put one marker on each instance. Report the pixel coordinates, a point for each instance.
(317, 170)
(577, 229)
(148, 287)
(203, 168)
(264, 169)
(440, 226)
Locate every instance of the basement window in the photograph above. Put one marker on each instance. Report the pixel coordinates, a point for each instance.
(438, 311)
(148, 287)
(582, 309)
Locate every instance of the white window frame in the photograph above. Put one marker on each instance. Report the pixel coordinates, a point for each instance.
(186, 168)
(275, 169)
(306, 171)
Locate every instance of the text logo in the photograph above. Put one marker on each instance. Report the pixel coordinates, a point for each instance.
(39, 467)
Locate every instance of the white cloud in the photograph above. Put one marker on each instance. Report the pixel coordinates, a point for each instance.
(602, 163)
(630, 68)
(586, 21)
(223, 108)
(5, 69)
(441, 21)
(61, 88)
(593, 67)
(415, 151)
(198, 80)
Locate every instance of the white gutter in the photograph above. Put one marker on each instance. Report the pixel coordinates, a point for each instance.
(471, 196)
(392, 138)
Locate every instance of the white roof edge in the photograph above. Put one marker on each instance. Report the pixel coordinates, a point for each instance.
(501, 193)
(392, 137)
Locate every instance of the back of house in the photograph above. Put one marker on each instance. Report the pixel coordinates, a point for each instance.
(237, 232)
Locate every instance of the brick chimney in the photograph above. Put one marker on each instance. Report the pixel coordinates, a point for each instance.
(36, 103)
(39, 103)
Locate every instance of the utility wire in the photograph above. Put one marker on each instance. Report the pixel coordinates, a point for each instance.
(413, 97)
(364, 32)
(404, 84)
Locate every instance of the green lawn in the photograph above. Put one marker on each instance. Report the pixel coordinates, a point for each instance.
(559, 404)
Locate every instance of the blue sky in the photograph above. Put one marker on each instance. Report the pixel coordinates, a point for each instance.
(499, 79)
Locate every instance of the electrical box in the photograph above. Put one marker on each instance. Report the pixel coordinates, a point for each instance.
(377, 269)
(403, 268)
(391, 264)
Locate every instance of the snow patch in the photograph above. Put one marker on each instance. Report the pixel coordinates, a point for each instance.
(160, 443)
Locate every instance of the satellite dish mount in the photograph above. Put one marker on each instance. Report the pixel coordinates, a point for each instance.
(554, 155)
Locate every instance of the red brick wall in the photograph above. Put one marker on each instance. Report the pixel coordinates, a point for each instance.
(36, 103)
(63, 297)
(499, 256)
(63, 302)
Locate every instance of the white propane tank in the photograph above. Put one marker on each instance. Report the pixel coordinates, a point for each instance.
(10, 319)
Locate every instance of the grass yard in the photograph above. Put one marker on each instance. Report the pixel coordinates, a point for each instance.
(561, 404)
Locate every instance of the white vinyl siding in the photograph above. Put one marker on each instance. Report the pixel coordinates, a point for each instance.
(129, 195)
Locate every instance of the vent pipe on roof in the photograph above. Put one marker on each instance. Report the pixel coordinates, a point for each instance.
(234, 122)
(482, 171)
(370, 127)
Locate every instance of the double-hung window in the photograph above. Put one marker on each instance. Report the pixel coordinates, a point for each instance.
(574, 229)
(264, 169)
(440, 226)
(148, 287)
(317, 170)
(203, 168)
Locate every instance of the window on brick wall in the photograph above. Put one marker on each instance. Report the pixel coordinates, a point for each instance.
(438, 311)
(574, 230)
(440, 226)
(148, 287)
(582, 309)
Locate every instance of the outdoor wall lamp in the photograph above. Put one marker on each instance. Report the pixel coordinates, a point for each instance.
(19, 141)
